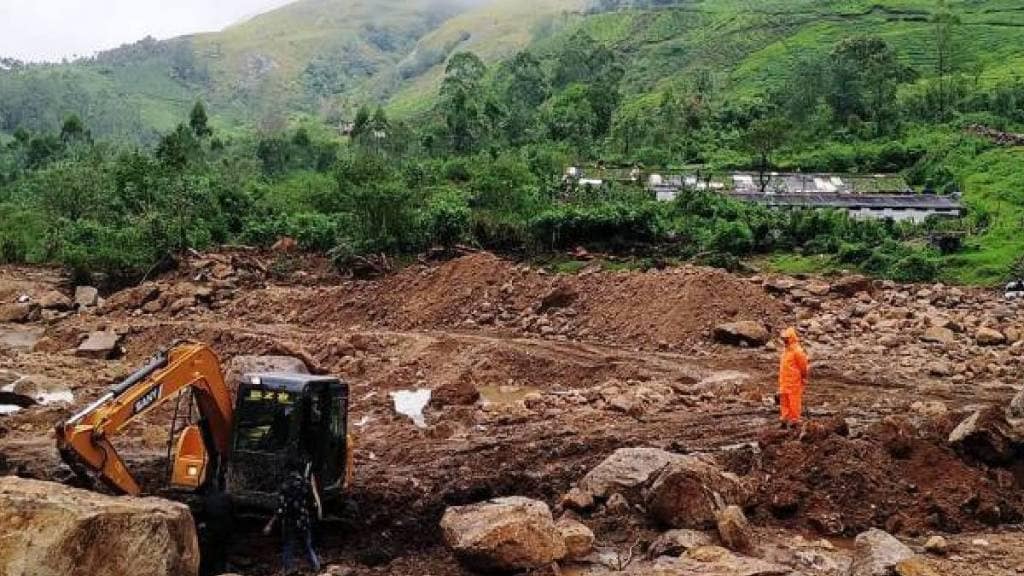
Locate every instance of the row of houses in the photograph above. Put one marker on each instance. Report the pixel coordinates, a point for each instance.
(878, 196)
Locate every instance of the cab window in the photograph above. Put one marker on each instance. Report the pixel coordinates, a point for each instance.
(264, 420)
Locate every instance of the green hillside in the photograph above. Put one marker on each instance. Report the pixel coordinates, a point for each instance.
(463, 118)
(312, 56)
(326, 57)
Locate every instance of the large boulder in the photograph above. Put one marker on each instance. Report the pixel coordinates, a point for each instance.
(689, 492)
(987, 436)
(989, 337)
(850, 286)
(101, 345)
(504, 534)
(86, 296)
(938, 335)
(20, 312)
(876, 553)
(49, 529)
(743, 333)
(625, 471)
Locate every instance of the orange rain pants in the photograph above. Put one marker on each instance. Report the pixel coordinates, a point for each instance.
(793, 370)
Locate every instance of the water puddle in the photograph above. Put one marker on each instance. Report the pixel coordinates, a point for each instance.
(8, 409)
(411, 403)
(505, 394)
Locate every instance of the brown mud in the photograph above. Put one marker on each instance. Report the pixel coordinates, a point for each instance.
(589, 363)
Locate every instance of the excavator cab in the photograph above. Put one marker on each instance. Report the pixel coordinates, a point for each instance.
(284, 421)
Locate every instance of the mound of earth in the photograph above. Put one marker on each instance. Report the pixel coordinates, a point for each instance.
(890, 476)
(669, 307)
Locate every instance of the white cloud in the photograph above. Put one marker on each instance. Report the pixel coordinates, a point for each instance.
(38, 30)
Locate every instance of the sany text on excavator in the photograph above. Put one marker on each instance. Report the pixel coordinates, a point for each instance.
(242, 445)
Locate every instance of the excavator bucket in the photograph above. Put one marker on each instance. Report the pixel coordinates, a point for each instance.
(190, 460)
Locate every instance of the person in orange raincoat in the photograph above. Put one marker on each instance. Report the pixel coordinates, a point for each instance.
(793, 370)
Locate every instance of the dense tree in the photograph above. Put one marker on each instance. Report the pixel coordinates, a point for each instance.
(864, 74)
(462, 95)
(945, 25)
(526, 88)
(198, 121)
(73, 130)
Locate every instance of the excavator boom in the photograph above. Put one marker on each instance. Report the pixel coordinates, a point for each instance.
(84, 439)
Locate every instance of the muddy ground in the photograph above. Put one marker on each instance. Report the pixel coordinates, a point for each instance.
(572, 368)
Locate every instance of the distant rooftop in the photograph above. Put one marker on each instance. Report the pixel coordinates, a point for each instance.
(854, 201)
(820, 183)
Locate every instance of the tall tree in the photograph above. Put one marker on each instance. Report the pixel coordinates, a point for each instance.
(763, 138)
(945, 26)
(73, 130)
(864, 75)
(462, 95)
(198, 121)
(526, 88)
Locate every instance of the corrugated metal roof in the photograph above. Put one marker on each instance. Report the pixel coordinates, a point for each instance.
(855, 201)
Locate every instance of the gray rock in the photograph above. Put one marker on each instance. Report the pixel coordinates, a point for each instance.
(86, 296)
(876, 553)
(626, 470)
(101, 345)
(675, 542)
(745, 332)
(1016, 409)
(987, 436)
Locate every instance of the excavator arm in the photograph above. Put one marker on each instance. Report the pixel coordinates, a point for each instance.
(84, 439)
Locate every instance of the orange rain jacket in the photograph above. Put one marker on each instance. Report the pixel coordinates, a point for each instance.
(793, 368)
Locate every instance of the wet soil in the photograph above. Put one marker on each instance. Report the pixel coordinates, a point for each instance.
(473, 327)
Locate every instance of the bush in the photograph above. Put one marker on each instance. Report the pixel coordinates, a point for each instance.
(915, 268)
(448, 219)
(122, 253)
(314, 232)
(606, 224)
(853, 253)
(731, 238)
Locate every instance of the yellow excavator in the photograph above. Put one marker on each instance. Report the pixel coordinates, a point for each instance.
(243, 445)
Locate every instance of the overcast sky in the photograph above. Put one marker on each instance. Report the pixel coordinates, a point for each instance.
(53, 29)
